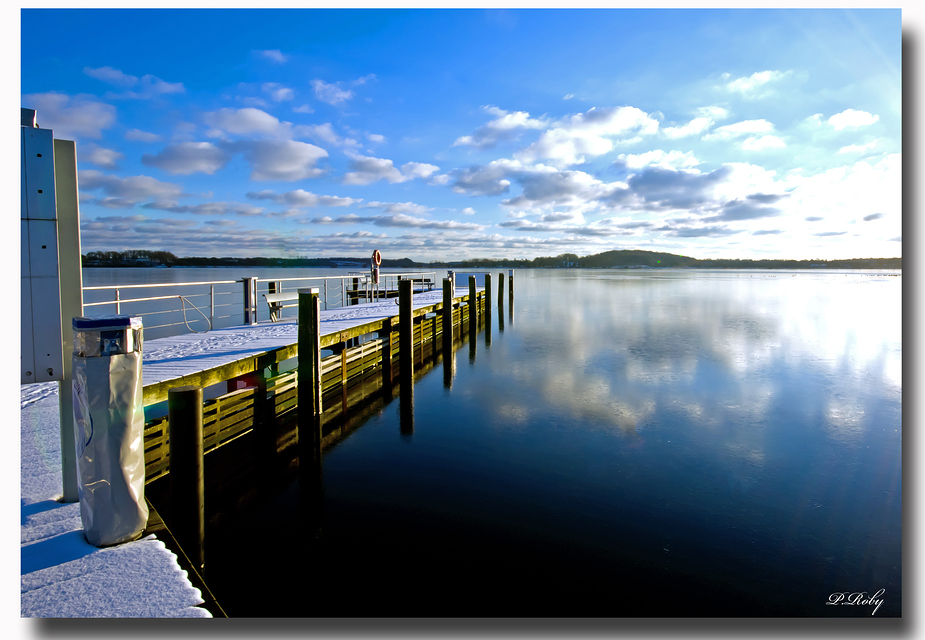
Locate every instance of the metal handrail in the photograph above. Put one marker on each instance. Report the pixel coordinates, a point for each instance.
(335, 295)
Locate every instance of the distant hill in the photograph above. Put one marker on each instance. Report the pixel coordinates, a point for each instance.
(624, 258)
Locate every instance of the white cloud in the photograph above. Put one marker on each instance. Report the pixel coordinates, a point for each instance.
(324, 133)
(763, 143)
(247, 121)
(302, 198)
(141, 136)
(744, 128)
(106, 158)
(713, 112)
(275, 55)
(278, 92)
(150, 86)
(188, 157)
(366, 170)
(852, 119)
(593, 133)
(754, 86)
(71, 117)
(303, 109)
(468, 211)
(658, 158)
(111, 76)
(131, 189)
(209, 208)
(398, 207)
(330, 93)
(286, 160)
(375, 137)
(401, 220)
(413, 170)
(503, 127)
(692, 128)
(859, 148)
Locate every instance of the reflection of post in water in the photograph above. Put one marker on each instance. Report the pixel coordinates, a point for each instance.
(473, 319)
(311, 488)
(500, 302)
(510, 313)
(449, 357)
(406, 351)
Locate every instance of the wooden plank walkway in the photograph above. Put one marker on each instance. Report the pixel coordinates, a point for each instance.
(223, 354)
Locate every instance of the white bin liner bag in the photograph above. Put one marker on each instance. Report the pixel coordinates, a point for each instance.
(109, 436)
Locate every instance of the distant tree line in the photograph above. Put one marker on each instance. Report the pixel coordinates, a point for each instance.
(606, 260)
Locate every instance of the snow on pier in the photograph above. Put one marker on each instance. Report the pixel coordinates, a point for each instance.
(63, 575)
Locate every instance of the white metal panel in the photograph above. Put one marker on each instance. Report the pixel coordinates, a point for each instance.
(27, 357)
(46, 329)
(39, 158)
(43, 249)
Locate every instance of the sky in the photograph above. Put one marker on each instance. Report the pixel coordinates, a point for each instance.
(455, 134)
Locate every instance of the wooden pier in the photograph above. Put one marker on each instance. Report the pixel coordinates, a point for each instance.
(358, 358)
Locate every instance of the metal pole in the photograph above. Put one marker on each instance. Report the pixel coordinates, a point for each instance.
(211, 305)
(118, 306)
(187, 478)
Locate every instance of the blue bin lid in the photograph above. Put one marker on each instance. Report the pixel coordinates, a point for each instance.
(101, 323)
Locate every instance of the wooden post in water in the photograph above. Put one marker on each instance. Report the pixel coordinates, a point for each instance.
(473, 318)
(473, 307)
(405, 325)
(447, 309)
(500, 290)
(309, 410)
(448, 333)
(488, 309)
(309, 357)
(510, 285)
(187, 479)
(406, 355)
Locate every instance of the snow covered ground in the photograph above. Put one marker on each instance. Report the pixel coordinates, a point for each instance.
(62, 575)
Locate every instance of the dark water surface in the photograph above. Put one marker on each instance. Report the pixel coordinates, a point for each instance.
(632, 443)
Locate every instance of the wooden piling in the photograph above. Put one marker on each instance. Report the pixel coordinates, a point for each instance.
(187, 479)
(510, 285)
(309, 356)
(473, 306)
(487, 292)
(405, 325)
(447, 308)
(500, 290)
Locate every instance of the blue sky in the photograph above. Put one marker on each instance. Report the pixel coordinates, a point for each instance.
(477, 133)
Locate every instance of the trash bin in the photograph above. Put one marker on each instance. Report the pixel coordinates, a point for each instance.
(109, 428)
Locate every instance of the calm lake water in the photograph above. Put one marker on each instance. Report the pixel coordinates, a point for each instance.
(632, 443)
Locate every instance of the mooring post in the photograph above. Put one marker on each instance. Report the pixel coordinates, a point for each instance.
(510, 284)
(447, 308)
(500, 290)
(473, 308)
(309, 357)
(187, 479)
(405, 325)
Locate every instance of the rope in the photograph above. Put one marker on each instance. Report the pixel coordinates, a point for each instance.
(186, 322)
